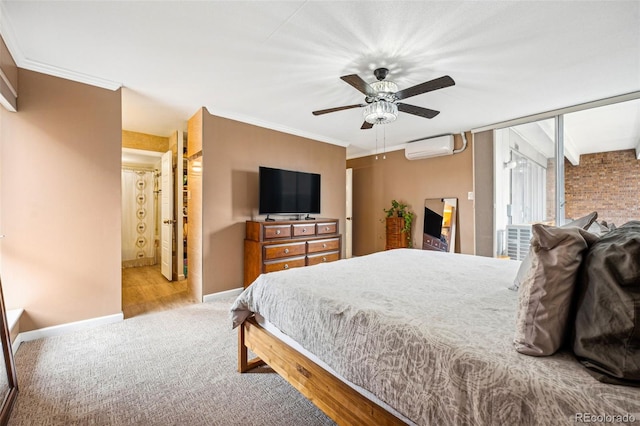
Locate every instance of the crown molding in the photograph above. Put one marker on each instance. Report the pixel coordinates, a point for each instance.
(274, 126)
(68, 74)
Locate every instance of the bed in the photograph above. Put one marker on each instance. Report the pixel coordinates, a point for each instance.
(412, 336)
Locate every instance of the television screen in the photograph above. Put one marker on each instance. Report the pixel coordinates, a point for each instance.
(432, 223)
(287, 191)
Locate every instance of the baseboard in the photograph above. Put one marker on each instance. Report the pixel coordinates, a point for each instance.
(13, 324)
(57, 330)
(222, 294)
(16, 343)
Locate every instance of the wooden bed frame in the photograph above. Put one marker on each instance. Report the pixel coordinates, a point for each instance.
(336, 399)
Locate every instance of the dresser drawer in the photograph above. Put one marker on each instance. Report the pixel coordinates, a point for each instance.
(432, 243)
(278, 251)
(277, 231)
(327, 228)
(329, 244)
(283, 265)
(323, 258)
(308, 229)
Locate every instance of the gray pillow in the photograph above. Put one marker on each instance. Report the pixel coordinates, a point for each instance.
(584, 222)
(546, 293)
(607, 319)
(600, 228)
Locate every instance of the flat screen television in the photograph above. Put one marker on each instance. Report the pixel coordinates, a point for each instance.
(287, 191)
(432, 223)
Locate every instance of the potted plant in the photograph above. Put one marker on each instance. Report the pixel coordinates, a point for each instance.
(399, 209)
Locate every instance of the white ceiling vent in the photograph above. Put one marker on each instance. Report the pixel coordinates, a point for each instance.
(433, 147)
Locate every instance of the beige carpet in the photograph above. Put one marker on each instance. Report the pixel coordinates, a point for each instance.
(174, 367)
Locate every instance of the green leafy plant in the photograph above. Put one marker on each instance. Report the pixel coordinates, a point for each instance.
(400, 209)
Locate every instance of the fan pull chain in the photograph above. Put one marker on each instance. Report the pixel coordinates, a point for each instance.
(384, 148)
(376, 143)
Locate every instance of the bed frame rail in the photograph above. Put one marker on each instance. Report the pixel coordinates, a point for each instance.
(336, 399)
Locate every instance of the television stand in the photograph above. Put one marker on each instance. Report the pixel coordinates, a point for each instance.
(268, 219)
(309, 218)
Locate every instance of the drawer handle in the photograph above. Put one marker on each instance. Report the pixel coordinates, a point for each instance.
(326, 228)
(324, 245)
(286, 266)
(277, 232)
(324, 259)
(286, 251)
(304, 229)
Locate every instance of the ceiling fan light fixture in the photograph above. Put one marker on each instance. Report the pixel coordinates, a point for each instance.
(385, 89)
(380, 112)
(381, 97)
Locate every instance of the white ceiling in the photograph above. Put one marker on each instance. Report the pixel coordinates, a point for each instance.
(272, 63)
(611, 127)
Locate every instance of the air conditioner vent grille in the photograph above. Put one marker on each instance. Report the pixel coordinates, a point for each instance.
(518, 241)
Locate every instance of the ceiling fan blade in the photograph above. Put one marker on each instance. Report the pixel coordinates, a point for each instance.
(366, 125)
(325, 111)
(360, 84)
(438, 83)
(416, 110)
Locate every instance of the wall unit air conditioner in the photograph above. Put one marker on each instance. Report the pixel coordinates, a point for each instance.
(433, 147)
(518, 241)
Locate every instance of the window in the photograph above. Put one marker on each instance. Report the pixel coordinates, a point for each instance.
(599, 171)
(524, 184)
(603, 174)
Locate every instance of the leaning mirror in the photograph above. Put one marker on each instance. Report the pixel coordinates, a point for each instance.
(8, 380)
(439, 224)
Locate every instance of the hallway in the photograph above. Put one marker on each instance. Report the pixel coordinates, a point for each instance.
(145, 290)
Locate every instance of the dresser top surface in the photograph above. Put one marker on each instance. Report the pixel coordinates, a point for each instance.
(294, 222)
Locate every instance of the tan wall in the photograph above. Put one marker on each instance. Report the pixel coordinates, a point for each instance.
(145, 141)
(232, 152)
(60, 176)
(606, 182)
(377, 182)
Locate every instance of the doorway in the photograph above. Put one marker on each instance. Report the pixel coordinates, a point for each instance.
(144, 288)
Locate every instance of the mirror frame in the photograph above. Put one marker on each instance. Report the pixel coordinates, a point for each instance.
(452, 202)
(12, 394)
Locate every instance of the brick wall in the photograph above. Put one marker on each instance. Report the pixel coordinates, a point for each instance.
(607, 182)
(551, 190)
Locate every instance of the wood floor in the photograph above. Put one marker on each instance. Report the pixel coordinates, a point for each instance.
(145, 290)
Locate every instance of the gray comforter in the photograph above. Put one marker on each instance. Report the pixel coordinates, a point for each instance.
(431, 335)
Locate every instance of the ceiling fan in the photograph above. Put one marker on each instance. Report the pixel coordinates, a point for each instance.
(381, 98)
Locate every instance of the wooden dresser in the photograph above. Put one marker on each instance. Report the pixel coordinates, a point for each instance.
(395, 237)
(276, 246)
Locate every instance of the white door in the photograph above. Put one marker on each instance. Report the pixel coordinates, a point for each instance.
(348, 232)
(166, 215)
